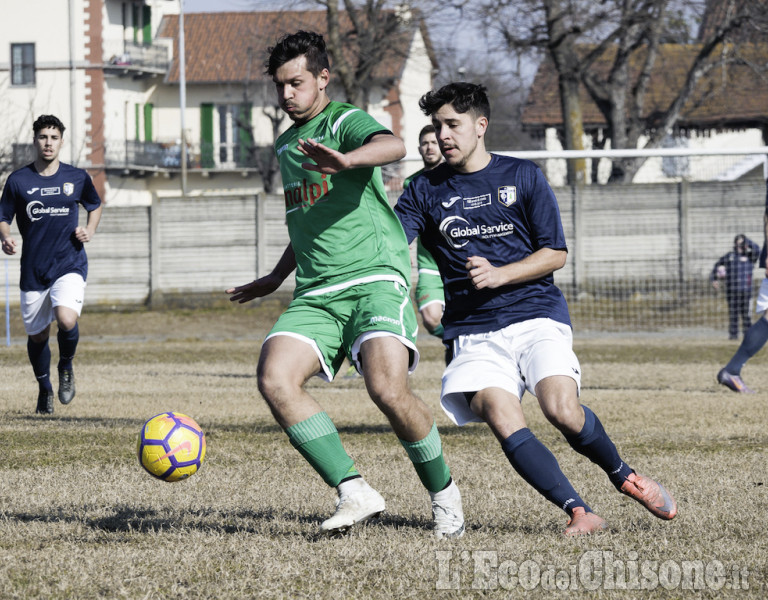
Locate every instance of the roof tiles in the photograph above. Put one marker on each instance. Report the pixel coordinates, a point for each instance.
(729, 95)
(232, 46)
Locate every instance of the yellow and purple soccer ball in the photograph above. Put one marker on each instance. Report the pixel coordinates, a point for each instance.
(171, 446)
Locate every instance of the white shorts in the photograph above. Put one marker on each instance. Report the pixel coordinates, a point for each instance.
(762, 297)
(514, 359)
(37, 307)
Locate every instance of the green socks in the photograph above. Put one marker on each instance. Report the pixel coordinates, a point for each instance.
(318, 441)
(427, 458)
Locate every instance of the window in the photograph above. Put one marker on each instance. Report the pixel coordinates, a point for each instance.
(142, 24)
(234, 134)
(225, 135)
(22, 64)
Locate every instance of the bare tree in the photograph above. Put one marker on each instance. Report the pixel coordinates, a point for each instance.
(550, 28)
(361, 38)
(261, 155)
(612, 47)
(562, 34)
(506, 84)
(621, 94)
(264, 156)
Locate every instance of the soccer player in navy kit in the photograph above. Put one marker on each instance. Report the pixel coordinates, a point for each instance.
(44, 198)
(493, 225)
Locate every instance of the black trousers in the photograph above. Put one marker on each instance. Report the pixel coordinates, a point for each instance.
(738, 308)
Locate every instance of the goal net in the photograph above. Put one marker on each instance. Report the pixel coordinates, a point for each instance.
(641, 255)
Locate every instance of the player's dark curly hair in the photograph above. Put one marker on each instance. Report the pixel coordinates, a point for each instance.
(464, 97)
(425, 130)
(288, 47)
(45, 121)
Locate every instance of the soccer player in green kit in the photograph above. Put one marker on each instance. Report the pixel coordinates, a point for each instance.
(351, 298)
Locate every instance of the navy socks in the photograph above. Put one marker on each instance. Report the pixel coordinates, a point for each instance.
(67, 346)
(754, 339)
(538, 466)
(594, 443)
(40, 356)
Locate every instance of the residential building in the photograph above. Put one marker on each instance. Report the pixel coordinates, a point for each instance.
(111, 71)
(727, 111)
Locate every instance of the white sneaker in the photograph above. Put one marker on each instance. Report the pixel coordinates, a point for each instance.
(447, 512)
(357, 502)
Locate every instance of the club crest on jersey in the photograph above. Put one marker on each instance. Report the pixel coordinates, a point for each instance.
(68, 189)
(508, 195)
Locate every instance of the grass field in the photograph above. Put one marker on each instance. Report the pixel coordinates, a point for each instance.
(80, 519)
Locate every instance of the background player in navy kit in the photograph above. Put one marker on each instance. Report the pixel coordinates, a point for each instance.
(493, 225)
(44, 198)
(756, 336)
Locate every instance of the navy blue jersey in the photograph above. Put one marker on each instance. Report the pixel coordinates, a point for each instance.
(504, 213)
(46, 211)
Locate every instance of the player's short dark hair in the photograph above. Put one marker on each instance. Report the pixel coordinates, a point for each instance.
(464, 97)
(293, 45)
(46, 121)
(425, 130)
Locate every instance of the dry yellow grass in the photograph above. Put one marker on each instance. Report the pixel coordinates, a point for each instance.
(80, 519)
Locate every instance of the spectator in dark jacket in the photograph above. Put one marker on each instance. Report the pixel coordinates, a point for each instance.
(736, 269)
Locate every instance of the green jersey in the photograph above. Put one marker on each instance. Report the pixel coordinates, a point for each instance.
(425, 262)
(410, 177)
(342, 228)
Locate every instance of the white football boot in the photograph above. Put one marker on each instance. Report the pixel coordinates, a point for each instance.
(447, 512)
(357, 502)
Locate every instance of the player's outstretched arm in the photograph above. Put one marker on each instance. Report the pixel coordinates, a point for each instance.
(539, 264)
(381, 149)
(263, 286)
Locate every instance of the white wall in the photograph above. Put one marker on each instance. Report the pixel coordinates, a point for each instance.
(672, 169)
(416, 81)
(47, 24)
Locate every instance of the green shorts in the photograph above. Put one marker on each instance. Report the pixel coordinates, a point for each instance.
(429, 289)
(337, 323)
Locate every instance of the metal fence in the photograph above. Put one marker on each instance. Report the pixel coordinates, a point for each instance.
(639, 255)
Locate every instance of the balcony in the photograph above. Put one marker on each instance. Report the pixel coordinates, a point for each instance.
(137, 158)
(136, 60)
